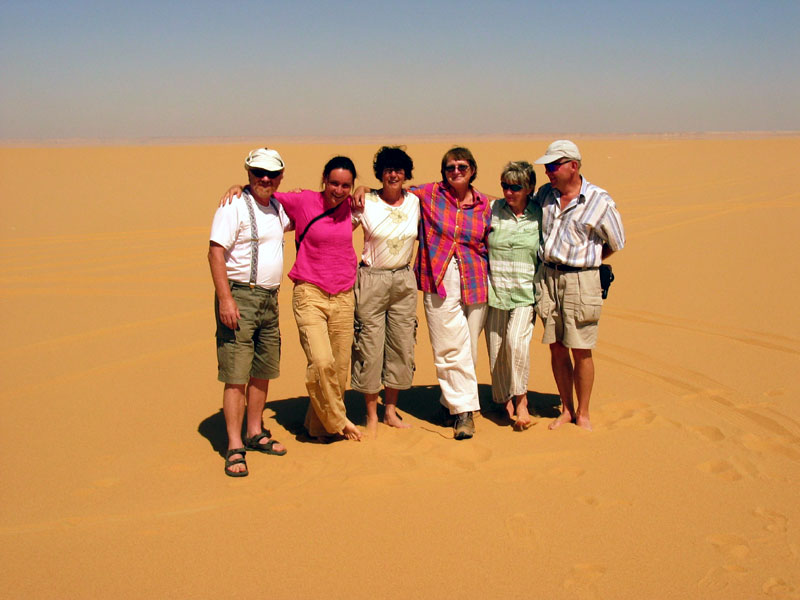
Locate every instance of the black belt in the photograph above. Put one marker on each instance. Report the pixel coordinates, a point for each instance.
(566, 268)
(248, 286)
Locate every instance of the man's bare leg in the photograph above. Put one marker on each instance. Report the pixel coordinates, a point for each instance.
(256, 399)
(233, 410)
(390, 417)
(584, 380)
(562, 372)
(371, 401)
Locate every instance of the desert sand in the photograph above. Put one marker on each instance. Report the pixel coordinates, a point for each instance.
(113, 485)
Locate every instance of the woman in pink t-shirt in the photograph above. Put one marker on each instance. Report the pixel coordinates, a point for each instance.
(324, 273)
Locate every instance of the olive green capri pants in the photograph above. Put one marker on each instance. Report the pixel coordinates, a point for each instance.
(253, 349)
(385, 329)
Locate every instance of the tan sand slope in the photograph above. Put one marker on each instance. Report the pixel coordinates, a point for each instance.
(113, 487)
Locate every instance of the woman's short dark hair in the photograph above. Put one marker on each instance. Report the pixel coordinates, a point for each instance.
(338, 162)
(460, 153)
(392, 157)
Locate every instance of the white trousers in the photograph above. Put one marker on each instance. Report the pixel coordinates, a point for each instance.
(455, 329)
(508, 340)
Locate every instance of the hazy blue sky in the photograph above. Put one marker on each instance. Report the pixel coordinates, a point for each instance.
(300, 68)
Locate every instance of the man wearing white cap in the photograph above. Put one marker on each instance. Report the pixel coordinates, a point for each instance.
(246, 258)
(581, 227)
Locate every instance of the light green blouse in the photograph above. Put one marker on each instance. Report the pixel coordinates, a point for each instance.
(513, 247)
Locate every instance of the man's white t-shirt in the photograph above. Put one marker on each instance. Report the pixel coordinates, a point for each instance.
(231, 230)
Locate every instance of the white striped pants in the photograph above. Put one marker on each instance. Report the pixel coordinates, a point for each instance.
(508, 340)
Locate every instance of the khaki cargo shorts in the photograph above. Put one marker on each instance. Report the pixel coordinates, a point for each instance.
(569, 305)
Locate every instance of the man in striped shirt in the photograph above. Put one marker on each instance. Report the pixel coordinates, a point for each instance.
(581, 227)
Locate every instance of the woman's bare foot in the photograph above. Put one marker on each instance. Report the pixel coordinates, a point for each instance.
(524, 419)
(351, 432)
(564, 417)
(392, 419)
(583, 422)
(509, 406)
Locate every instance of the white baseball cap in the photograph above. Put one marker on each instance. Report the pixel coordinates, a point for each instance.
(559, 149)
(264, 158)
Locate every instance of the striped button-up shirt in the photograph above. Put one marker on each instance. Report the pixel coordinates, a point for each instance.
(447, 231)
(513, 247)
(575, 236)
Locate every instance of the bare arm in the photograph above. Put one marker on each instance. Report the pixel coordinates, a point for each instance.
(228, 311)
(357, 199)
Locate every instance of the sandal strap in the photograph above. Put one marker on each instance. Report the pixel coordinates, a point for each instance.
(254, 442)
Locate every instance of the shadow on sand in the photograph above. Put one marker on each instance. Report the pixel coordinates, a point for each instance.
(421, 401)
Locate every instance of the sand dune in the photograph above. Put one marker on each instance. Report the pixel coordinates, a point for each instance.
(113, 484)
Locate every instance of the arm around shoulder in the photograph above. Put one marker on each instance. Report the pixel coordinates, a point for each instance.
(228, 196)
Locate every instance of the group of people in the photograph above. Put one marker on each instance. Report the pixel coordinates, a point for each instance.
(482, 263)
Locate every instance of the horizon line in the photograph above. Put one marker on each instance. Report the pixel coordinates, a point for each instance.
(372, 138)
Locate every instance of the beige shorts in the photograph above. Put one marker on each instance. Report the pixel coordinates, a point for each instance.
(385, 330)
(569, 305)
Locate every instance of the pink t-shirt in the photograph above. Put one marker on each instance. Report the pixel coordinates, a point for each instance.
(326, 256)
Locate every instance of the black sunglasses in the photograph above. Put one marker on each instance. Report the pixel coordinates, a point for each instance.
(514, 187)
(554, 166)
(261, 173)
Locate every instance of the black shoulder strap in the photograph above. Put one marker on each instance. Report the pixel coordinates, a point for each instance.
(299, 239)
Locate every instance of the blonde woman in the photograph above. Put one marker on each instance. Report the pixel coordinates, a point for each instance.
(514, 241)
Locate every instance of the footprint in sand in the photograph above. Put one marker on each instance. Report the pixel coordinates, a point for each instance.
(709, 433)
(721, 468)
(585, 577)
(720, 578)
(773, 521)
(731, 546)
(628, 414)
(775, 587)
